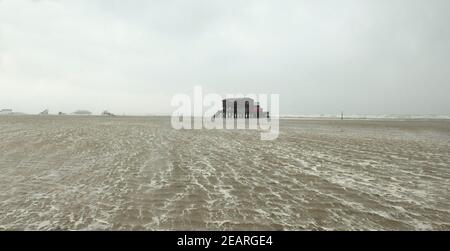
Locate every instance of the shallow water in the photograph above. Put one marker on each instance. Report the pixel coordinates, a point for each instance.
(129, 173)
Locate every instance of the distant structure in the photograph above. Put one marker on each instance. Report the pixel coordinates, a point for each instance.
(61, 113)
(241, 108)
(45, 112)
(6, 111)
(82, 112)
(106, 113)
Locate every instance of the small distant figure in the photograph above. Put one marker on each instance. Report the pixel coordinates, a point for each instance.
(342, 115)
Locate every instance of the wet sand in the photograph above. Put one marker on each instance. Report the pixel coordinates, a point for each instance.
(137, 173)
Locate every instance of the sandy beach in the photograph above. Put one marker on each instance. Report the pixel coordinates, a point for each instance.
(137, 173)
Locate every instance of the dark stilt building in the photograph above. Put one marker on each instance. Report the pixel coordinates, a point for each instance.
(241, 108)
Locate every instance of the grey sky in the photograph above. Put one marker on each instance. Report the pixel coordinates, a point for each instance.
(321, 56)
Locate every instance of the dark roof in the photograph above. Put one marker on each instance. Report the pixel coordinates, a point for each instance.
(238, 99)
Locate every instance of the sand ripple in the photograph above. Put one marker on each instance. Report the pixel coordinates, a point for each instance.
(138, 173)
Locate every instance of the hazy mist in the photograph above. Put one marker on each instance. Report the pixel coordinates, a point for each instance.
(322, 57)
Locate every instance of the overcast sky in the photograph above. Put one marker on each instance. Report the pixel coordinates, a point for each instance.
(321, 56)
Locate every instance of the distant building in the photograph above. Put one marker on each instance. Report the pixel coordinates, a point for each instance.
(6, 111)
(45, 112)
(241, 108)
(82, 112)
(106, 113)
